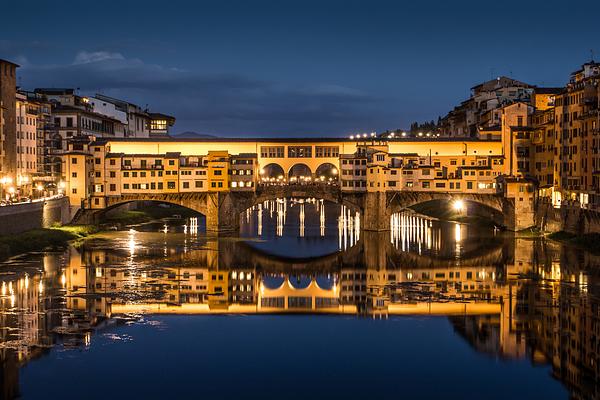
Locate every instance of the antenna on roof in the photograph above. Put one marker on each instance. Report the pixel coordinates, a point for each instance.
(592, 54)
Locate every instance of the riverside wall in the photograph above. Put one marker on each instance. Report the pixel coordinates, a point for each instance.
(39, 214)
(569, 218)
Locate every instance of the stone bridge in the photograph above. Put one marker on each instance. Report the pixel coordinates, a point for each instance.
(222, 209)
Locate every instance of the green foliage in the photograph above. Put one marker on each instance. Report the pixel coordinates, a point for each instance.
(40, 239)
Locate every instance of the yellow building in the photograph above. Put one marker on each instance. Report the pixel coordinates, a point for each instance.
(217, 163)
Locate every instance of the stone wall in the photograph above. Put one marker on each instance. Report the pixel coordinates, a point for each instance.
(43, 214)
(569, 218)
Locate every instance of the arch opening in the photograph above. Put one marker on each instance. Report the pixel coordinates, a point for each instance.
(300, 173)
(271, 173)
(136, 212)
(459, 209)
(326, 172)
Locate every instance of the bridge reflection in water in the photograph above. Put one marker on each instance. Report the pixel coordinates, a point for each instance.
(506, 296)
(288, 217)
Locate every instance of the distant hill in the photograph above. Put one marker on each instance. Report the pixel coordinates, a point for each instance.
(192, 135)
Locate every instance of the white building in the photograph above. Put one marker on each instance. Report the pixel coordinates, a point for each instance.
(26, 139)
(135, 119)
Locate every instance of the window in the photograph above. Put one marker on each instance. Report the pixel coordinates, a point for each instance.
(74, 174)
(113, 187)
(112, 161)
(158, 125)
(198, 184)
(186, 185)
(171, 185)
(171, 162)
(73, 160)
(327, 151)
(74, 191)
(218, 172)
(299, 151)
(271, 151)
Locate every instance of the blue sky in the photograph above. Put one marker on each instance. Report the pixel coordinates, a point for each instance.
(296, 68)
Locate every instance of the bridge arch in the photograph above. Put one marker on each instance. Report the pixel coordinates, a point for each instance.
(405, 199)
(489, 206)
(326, 172)
(299, 172)
(329, 193)
(272, 172)
(197, 202)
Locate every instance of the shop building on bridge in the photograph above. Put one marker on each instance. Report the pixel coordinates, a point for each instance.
(95, 170)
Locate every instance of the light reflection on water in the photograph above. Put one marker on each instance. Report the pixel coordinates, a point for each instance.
(301, 228)
(515, 299)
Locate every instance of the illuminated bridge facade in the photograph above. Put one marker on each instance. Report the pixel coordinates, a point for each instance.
(221, 178)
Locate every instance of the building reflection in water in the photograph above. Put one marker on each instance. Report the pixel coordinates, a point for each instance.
(512, 298)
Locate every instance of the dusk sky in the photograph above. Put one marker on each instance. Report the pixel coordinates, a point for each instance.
(295, 68)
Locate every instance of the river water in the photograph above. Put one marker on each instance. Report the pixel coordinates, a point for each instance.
(302, 304)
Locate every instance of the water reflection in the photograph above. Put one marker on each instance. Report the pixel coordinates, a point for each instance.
(301, 227)
(507, 297)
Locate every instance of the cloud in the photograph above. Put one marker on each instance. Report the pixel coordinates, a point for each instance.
(213, 102)
(84, 57)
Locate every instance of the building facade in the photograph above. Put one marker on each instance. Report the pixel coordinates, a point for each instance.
(8, 140)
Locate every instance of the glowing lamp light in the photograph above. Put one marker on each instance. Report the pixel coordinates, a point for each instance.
(458, 205)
